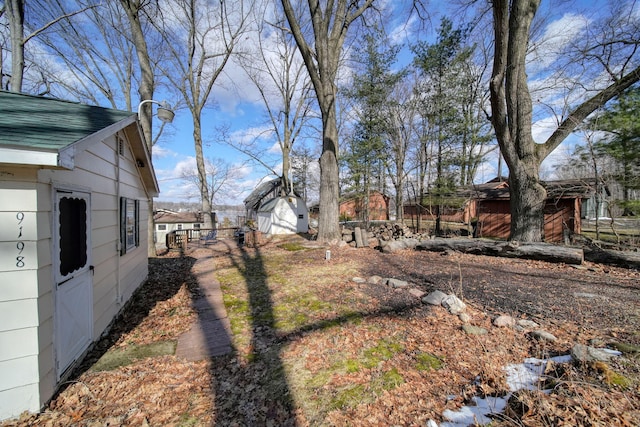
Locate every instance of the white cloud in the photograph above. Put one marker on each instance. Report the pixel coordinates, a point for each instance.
(275, 148)
(542, 129)
(557, 37)
(160, 152)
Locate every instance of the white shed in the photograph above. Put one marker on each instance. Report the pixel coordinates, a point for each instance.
(283, 215)
(74, 185)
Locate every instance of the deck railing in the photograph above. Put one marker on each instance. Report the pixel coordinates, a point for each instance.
(181, 238)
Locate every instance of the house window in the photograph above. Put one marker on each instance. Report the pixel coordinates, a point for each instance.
(162, 227)
(73, 234)
(179, 227)
(196, 226)
(129, 225)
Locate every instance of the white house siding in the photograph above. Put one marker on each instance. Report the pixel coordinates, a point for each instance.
(161, 235)
(115, 277)
(27, 371)
(20, 293)
(281, 216)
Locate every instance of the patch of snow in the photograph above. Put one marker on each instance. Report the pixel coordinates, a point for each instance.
(479, 413)
(520, 376)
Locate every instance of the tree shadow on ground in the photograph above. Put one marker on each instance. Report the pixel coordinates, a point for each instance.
(256, 392)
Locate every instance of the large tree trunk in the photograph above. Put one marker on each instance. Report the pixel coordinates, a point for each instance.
(329, 229)
(527, 204)
(511, 113)
(15, 12)
(512, 117)
(202, 173)
(322, 59)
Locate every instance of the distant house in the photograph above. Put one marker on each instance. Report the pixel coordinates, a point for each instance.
(563, 210)
(167, 221)
(275, 210)
(75, 181)
(352, 207)
(488, 206)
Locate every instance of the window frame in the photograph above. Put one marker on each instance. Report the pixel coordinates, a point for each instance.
(129, 224)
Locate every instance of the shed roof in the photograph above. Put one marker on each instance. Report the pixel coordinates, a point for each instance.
(499, 190)
(40, 123)
(559, 189)
(40, 131)
(253, 200)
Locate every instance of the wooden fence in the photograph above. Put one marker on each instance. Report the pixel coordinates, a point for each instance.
(181, 238)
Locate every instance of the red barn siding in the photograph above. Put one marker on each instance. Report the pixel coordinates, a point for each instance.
(353, 208)
(494, 219)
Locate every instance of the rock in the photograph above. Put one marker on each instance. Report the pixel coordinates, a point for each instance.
(453, 304)
(527, 324)
(543, 336)
(474, 330)
(583, 353)
(434, 298)
(374, 280)
(397, 283)
(347, 235)
(359, 280)
(393, 246)
(504, 321)
(417, 292)
(464, 317)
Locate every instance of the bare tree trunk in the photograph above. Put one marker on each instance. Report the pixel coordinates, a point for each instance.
(511, 109)
(512, 115)
(147, 86)
(321, 58)
(147, 81)
(15, 11)
(329, 176)
(528, 198)
(202, 172)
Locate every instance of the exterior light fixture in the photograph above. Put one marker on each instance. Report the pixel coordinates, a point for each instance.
(164, 111)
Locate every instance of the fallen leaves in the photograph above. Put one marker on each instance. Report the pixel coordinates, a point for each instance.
(313, 348)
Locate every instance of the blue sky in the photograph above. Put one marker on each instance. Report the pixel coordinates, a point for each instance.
(237, 106)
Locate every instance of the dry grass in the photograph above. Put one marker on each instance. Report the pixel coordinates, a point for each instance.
(312, 347)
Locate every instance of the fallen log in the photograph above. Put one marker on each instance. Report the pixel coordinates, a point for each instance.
(610, 257)
(537, 251)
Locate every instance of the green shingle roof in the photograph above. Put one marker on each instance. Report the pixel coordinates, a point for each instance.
(38, 123)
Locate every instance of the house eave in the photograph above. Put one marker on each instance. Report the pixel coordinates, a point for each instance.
(31, 157)
(65, 157)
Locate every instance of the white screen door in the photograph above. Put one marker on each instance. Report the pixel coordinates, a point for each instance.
(74, 295)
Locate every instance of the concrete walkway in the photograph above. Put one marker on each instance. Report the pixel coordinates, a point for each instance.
(210, 336)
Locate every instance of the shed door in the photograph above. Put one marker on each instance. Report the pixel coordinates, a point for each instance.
(74, 296)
